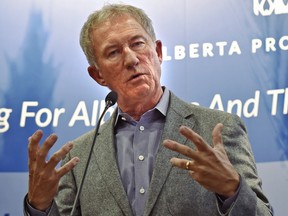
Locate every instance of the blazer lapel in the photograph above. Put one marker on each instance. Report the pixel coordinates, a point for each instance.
(106, 160)
(177, 115)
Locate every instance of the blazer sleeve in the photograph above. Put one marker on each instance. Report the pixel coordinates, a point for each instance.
(251, 199)
(66, 194)
(53, 210)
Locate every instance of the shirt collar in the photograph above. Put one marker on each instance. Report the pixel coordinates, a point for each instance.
(161, 106)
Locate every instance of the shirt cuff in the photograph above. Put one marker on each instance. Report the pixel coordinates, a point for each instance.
(226, 203)
(34, 212)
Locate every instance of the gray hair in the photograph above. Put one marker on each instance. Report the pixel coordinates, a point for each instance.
(106, 13)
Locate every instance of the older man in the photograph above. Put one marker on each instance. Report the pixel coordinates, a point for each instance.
(156, 155)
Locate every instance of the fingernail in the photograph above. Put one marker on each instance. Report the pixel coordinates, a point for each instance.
(76, 160)
(37, 133)
(183, 127)
(53, 137)
(70, 145)
(172, 161)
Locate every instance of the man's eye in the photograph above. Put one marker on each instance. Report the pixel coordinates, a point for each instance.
(112, 53)
(138, 44)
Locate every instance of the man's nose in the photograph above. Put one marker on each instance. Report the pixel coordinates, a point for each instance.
(130, 58)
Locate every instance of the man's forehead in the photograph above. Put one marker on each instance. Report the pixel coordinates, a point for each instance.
(116, 27)
(118, 19)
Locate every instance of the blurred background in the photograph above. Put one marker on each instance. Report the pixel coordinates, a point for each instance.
(228, 55)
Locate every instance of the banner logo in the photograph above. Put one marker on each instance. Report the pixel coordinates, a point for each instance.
(269, 7)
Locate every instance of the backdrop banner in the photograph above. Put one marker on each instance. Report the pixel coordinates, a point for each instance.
(228, 55)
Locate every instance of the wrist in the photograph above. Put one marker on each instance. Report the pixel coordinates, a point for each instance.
(232, 186)
(39, 205)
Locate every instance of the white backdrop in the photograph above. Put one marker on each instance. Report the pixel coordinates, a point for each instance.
(229, 55)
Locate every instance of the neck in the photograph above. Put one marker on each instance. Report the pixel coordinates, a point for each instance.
(137, 107)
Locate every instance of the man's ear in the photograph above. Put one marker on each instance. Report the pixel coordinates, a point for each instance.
(159, 50)
(95, 73)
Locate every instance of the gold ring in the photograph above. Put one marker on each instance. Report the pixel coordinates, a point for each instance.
(187, 165)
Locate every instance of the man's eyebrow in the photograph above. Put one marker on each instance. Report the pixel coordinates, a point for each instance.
(138, 37)
(110, 46)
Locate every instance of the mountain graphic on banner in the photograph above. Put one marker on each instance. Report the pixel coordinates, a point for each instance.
(31, 79)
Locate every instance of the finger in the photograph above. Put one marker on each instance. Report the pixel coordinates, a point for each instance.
(57, 156)
(68, 166)
(217, 134)
(182, 149)
(33, 147)
(182, 163)
(43, 151)
(198, 141)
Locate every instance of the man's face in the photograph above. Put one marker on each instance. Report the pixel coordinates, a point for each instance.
(128, 60)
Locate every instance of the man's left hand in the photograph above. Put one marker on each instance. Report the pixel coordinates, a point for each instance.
(209, 165)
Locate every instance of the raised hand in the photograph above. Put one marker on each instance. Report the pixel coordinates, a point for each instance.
(43, 175)
(209, 165)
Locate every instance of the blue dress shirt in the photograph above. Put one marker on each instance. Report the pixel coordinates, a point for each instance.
(136, 144)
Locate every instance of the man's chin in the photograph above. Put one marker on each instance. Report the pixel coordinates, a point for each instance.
(142, 90)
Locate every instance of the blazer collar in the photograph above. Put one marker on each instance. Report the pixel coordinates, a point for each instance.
(106, 160)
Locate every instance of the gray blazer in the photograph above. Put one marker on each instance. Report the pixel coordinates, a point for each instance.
(171, 191)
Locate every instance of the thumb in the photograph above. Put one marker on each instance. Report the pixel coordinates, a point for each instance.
(217, 135)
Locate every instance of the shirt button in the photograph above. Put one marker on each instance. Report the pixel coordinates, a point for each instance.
(142, 190)
(141, 128)
(141, 157)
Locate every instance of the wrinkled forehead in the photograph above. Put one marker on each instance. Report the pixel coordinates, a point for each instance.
(116, 24)
(113, 18)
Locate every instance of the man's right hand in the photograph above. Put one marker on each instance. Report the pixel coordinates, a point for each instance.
(43, 175)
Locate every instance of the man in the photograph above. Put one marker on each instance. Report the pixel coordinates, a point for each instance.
(156, 155)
